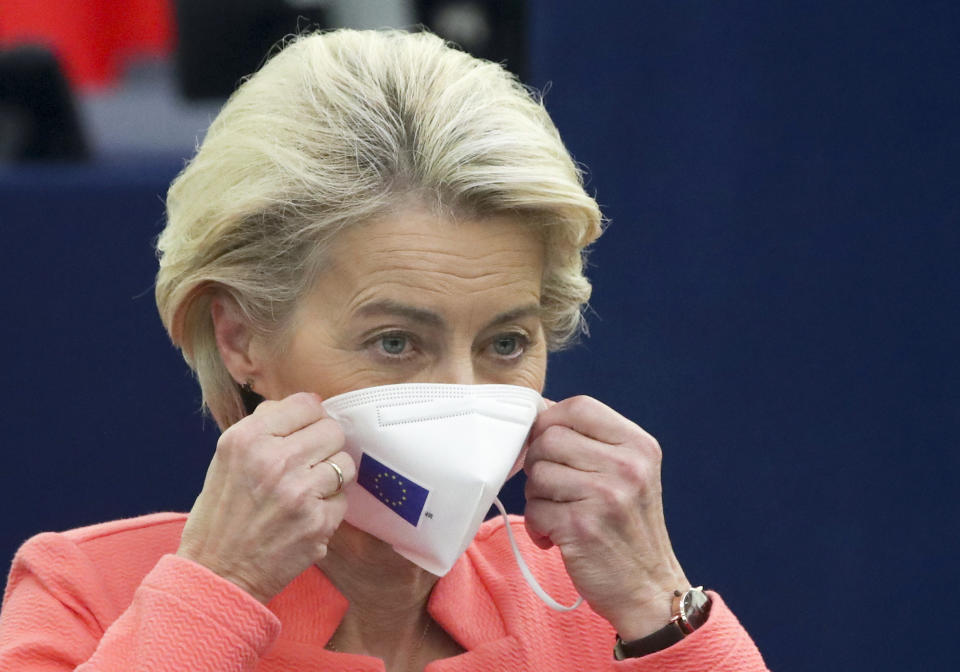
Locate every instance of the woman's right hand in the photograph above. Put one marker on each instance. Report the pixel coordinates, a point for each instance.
(269, 504)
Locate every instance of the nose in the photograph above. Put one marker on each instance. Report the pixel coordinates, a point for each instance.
(455, 370)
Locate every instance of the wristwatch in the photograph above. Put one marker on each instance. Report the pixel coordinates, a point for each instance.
(690, 611)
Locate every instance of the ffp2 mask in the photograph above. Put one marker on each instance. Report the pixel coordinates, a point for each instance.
(431, 459)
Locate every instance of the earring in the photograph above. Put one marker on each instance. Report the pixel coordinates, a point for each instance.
(248, 397)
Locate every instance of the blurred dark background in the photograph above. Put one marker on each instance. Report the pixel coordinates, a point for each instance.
(775, 298)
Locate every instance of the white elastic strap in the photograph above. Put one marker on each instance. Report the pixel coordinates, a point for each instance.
(527, 574)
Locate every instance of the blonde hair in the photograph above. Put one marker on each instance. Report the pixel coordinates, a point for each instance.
(336, 129)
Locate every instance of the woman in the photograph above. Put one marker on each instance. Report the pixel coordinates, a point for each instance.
(374, 209)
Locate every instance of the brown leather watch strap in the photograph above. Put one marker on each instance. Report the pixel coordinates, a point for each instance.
(666, 636)
(690, 611)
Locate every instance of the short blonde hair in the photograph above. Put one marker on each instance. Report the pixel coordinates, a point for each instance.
(336, 129)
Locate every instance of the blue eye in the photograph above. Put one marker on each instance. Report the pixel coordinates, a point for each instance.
(508, 345)
(505, 345)
(393, 344)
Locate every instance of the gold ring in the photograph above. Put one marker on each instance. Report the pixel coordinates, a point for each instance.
(336, 468)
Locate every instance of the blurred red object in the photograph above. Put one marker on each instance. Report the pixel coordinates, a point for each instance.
(91, 38)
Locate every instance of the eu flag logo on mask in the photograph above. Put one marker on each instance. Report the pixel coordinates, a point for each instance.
(399, 493)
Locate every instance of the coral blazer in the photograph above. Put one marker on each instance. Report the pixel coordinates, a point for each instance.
(114, 598)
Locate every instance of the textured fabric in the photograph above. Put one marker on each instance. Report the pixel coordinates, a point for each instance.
(113, 597)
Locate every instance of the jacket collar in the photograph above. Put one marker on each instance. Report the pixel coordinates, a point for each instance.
(311, 608)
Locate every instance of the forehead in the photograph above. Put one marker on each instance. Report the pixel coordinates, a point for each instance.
(429, 256)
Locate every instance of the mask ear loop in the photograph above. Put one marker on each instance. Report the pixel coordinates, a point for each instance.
(525, 570)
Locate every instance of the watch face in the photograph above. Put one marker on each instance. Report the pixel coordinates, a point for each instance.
(693, 600)
(694, 607)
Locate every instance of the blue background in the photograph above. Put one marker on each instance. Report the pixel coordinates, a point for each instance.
(775, 300)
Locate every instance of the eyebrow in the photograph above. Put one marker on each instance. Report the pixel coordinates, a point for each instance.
(430, 318)
(412, 313)
(529, 310)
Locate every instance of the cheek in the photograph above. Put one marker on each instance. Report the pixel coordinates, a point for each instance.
(323, 370)
(532, 372)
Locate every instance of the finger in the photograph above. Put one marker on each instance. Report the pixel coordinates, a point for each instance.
(557, 482)
(540, 540)
(317, 441)
(333, 474)
(561, 444)
(587, 416)
(335, 507)
(331, 511)
(543, 519)
(282, 418)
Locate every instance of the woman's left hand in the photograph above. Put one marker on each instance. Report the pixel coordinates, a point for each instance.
(593, 489)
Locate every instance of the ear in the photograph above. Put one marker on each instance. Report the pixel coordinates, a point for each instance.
(234, 338)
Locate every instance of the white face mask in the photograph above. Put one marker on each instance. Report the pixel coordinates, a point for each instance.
(431, 459)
